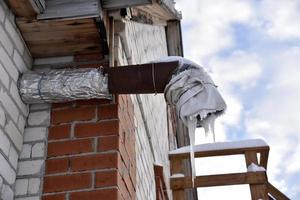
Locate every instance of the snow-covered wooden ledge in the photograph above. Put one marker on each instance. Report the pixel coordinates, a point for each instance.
(223, 149)
(255, 176)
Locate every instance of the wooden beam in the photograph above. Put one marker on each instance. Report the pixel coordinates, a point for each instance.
(219, 180)
(264, 156)
(258, 190)
(278, 195)
(24, 8)
(177, 168)
(117, 4)
(174, 38)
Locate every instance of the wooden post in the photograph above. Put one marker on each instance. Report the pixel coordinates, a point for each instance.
(177, 168)
(258, 191)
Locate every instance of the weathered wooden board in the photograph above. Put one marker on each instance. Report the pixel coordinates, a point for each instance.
(26, 8)
(115, 4)
(71, 9)
(49, 38)
(219, 180)
(161, 10)
(174, 38)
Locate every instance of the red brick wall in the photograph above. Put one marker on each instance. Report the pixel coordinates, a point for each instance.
(91, 151)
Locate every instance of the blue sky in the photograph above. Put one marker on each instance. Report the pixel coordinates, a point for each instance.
(251, 48)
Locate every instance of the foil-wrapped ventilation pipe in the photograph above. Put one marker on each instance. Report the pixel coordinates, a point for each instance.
(186, 85)
(62, 85)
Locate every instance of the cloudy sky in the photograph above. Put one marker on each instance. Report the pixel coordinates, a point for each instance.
(252, 50)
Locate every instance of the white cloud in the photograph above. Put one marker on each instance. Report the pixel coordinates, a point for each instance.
(209, 23)
(240, 68)
(281, 18)
(276, 117)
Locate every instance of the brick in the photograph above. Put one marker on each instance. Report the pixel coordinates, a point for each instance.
(55, 197)
(13, 157)
(14, 34)
(70, 147)
(111, 194)
(38, 150)
(122, 188)
(73, 114)
(100, 161)
(7, 193)
(29, 198)
(108, 143)
(102, 128)
(1, 183)
(2, 13)
(8, 64)
(5, 40)
(57, 165)
(34, 185)
(41, 118)
(4, 78)
(14, 134)
(35, 134)
(2, 117)
(19, 61)
(9, 104)
(108, 111)
(21, 186)
(106, 178)
(67, 182)
(4, 143)
(14, 92)
(39, 106)
(21, 123)
(31, 167)
(59, 132)
(26, 151)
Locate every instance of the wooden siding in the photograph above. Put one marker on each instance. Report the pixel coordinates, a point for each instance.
(26, 8)
(60, 38)
(116, 4)
(71, 9)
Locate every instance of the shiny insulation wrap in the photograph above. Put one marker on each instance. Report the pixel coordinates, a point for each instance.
(61, 85)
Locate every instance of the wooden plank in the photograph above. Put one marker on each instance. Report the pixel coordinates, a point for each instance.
(222, 152)
(23, 8)
(258, 191)
(27, 25)
(174, 38)
(111, 42)
(277, 194)
(264, 159)
(57, 9)
(177, 168)
(162, 10)
(51, 38)
(117, 4)
(140, 79)
(219, 180)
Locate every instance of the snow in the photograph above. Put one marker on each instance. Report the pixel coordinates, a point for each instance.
(221, 146)
(179, 175)
(254, 168)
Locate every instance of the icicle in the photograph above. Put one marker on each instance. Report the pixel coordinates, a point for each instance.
(192, 122)
(209, 125)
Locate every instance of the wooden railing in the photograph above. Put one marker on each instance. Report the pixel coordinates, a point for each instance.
(259, 186)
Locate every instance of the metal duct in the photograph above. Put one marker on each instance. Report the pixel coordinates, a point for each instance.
(63, 85)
